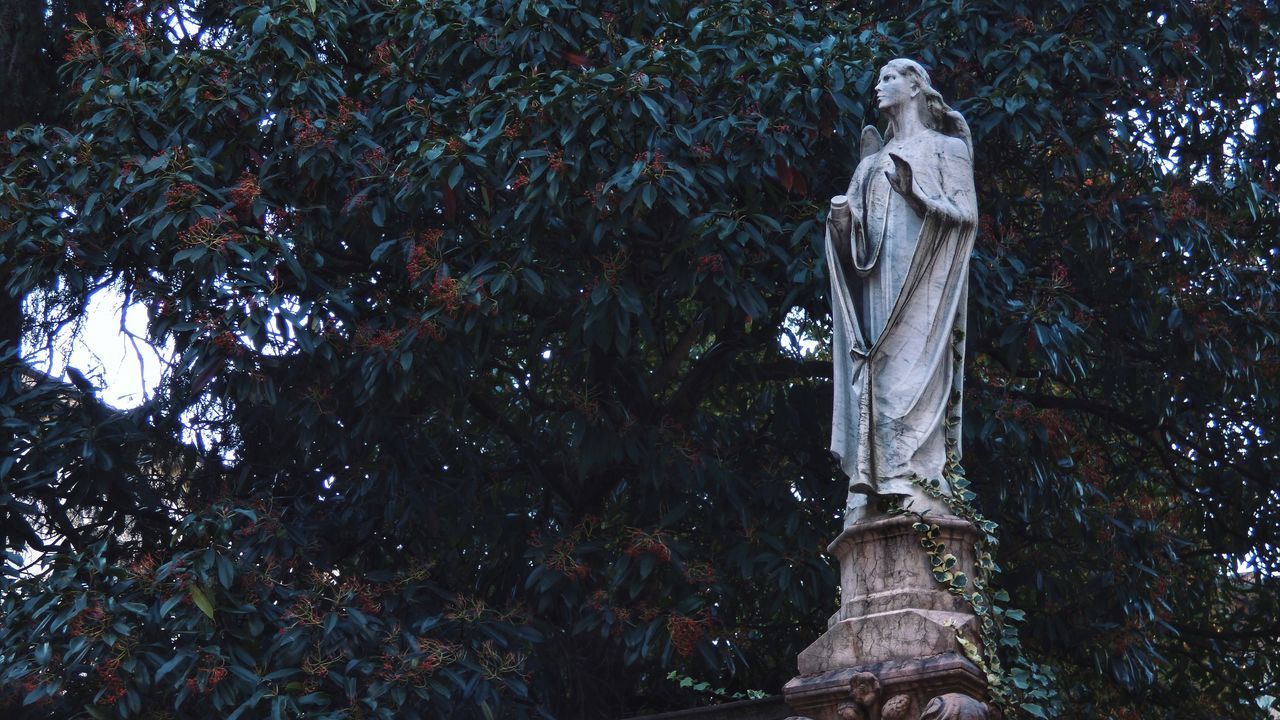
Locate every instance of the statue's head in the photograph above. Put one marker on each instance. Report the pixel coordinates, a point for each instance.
(904, 83)
(865, 689)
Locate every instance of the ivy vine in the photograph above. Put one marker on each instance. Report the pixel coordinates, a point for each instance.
(1022, 684)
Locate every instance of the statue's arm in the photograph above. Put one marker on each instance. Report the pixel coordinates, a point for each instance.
(958, 199)
(955, 199)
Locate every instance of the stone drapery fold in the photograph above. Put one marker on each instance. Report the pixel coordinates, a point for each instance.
(897, 399)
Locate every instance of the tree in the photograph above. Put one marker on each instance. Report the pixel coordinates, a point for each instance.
(31, 45)
(488, 397)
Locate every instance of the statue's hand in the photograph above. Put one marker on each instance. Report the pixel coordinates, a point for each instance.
(900, 178)
(901, 181)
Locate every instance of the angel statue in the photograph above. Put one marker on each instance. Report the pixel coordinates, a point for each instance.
(898, 244)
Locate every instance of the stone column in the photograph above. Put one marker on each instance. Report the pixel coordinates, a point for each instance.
(890, 652)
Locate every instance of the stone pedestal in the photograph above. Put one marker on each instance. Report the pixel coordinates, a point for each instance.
(920, 680)
(896, 625)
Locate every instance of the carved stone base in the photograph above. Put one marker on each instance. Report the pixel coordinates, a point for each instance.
(891, 606)
(895, 630)
(883, 567)
(919, 680)
(901, 634)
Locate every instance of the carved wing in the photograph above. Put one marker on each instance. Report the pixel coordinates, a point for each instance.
(871, 142)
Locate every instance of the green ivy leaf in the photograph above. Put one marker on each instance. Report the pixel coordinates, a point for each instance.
(201, 598)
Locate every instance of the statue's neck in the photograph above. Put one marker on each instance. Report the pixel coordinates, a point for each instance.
(906, 122)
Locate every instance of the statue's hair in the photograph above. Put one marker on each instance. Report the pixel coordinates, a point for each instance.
(937, 114)
(898, 707)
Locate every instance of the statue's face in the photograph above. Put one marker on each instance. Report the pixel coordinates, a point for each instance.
(894, 89)
(865, 688)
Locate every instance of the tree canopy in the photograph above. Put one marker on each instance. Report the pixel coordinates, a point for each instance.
(499, 385)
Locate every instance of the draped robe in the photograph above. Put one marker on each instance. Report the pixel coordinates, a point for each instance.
(898, 315)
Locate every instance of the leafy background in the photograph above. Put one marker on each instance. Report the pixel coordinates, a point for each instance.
(494, 390)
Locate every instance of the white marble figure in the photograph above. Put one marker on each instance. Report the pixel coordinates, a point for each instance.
(898, 244)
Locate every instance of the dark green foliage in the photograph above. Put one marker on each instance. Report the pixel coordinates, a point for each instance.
(32, 42)
(483, 402)
(262, 626)
(33, 39)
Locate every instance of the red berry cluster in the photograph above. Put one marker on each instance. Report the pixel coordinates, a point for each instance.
(685, 633)
(655, 163)
(181, 196)
(348, 108)
(112, 686)
(375, 159)
(446, 291)
(81, 48)
(245, 192)
(144, 568)
(561, 560)
(381, 339)
(430, 328)
(90, 622)
(227, 343)
(209, 673)
(642, 542)
(419, 262)
(1178, 203)
(384, 54)
(206, 231)
(711, 263)
(421, 259)
(305, 132)
(555, 161)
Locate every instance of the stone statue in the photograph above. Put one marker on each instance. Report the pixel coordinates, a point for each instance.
(865, 690)
(955, 706)
(898, 244)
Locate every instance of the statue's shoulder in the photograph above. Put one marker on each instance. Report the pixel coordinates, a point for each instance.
(952, 145)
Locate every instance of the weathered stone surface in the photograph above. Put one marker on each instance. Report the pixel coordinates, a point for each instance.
(897, 635)
(919, 679)
(897, 251)
(891, 606)
(899, 707)
(898, 244)
(883, 568)
(895, 620)
(956, 706)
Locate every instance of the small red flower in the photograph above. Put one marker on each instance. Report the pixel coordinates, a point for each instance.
(245, 192)
(447, 292)
(181, 196)
(685, 633)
